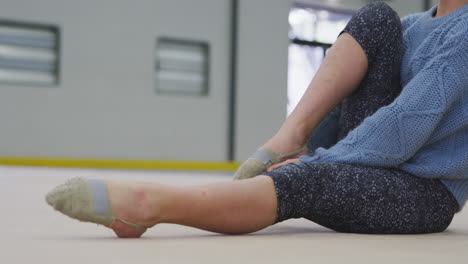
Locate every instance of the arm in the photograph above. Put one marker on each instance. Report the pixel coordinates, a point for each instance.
(340, 73)
(338, 76)
(396, 132)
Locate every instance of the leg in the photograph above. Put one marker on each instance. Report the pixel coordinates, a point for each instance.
(237, 207)
(364, 65)
(378, 30)
(357, 199)
(362, 71)
(233, 207)
(349, 198)
(325, 134)
(338, 76)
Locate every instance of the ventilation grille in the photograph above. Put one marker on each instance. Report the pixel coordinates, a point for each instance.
(181, 67)
(28, 54)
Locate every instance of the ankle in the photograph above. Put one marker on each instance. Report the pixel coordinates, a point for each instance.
(148, 205)
(168, 197)
(134, 202)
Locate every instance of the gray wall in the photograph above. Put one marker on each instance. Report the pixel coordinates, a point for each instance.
(262, 72)
(105, 106)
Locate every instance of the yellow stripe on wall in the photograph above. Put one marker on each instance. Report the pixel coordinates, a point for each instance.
(120, 164)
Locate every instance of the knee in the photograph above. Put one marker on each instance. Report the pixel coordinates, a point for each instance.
(383, 17)
(376, 25)
(382, 9)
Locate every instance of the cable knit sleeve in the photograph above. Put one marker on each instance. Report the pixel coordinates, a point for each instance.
(394, 133)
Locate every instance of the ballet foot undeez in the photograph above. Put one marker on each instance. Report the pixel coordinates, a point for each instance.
(262, 159)
(127, 208)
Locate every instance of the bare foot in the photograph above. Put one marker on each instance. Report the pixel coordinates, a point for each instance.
(137, 203)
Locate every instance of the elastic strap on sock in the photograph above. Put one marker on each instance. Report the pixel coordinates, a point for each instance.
(262, 156)
(99, 194)
(139, 227)
(101, 202)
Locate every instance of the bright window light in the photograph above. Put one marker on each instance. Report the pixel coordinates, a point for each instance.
(319, 26)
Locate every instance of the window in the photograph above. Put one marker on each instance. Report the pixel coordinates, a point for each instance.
(181, 67)
(312, 30)
(28, 54)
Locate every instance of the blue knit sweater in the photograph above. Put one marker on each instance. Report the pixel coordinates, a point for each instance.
(425, 130)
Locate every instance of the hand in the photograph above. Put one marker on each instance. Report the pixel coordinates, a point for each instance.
(254, 166)
(277, 165)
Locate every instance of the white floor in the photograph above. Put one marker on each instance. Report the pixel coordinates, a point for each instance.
(34, 233)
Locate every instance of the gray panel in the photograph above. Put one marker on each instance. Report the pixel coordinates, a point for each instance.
(262, 72)
(105, 105)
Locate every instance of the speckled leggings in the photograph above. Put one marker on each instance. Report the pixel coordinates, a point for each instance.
(364, 199)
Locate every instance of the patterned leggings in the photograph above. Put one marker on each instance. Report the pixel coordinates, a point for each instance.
(364, 199)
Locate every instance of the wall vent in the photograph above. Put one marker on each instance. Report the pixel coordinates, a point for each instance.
(181, 67)
(28, 54)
